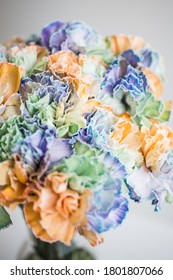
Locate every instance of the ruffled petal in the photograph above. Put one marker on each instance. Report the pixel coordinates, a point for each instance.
(10, 76)
(121, 43)
(93, 237)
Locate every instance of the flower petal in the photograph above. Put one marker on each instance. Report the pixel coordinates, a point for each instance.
(10, 76)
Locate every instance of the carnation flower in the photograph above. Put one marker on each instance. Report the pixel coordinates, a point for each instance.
(28, 58)
(126, 89)
(151, 64)
(50, 29)
(38, 151)
(75, 36)
(107, 210)
(121, 43)
(65, 110)
(99, 126)
(156, 142)
(54, 212)
(11, 132)
(126, 143)
(121, 78)
(156, 186)
(68, 65)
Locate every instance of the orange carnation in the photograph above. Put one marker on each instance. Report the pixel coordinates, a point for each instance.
(121, 43)
(10, 76)
(55, 212)
(156, 142)
(67, 65)
(12, 183)
(154, 82)
(126, 135)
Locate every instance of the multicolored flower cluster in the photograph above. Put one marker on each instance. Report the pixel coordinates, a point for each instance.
(82, 130)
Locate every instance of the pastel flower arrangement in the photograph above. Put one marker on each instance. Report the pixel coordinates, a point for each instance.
(82, 130)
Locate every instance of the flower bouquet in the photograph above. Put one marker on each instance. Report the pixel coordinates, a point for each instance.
(82, 131)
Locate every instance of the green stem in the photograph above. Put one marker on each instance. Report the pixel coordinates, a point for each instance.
(47, 251)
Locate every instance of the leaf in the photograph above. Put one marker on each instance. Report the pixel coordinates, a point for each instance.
(5, 220)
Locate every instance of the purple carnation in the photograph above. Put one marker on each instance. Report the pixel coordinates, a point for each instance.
(132, 58)
(42, 150)
(45, 84)
(48, 30)
(122, 77)
(75, 36)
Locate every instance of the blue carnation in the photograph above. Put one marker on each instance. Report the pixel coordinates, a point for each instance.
(121, 78)
(108, 209)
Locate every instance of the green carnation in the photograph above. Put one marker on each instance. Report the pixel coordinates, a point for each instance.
(11, 132)
(84, 169)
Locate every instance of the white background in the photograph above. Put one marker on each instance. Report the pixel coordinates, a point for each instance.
(144, 234)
